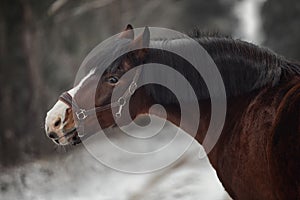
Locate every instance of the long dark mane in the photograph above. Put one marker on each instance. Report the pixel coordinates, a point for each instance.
(244, 67)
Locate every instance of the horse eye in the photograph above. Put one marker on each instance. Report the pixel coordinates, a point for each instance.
(112, 79)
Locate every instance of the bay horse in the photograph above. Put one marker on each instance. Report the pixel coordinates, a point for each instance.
(258, 153)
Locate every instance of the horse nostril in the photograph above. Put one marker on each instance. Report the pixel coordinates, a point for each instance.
(57, 122)
(52, 135)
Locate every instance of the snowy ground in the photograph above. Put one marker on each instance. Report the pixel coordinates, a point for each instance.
(76, 175)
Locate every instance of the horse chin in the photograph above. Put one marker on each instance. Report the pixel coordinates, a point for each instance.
(73, 138)
(70, 137)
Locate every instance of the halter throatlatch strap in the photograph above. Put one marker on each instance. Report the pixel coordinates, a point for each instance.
(81, 114)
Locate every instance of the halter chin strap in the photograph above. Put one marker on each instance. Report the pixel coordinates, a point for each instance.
(81, 114)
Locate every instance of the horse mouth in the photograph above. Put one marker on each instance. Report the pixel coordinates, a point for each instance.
(71, 136)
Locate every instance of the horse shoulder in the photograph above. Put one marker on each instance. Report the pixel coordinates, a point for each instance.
(285, 144)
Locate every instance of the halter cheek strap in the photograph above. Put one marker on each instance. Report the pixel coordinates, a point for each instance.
(81, 114)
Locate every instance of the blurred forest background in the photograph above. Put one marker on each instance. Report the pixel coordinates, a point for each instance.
(43, 42)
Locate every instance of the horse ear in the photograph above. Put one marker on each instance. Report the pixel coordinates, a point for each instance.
(127, 33)
(142, 43)
(142, 40)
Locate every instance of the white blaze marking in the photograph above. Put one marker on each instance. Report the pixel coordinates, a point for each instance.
(74, 90)
(59, 109)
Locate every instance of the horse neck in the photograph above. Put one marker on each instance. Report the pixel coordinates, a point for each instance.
(245, 157)
(235, 108)
(237, 61)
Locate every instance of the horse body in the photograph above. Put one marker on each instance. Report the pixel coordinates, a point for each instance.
(261, 173)
(257, 155)
(248, 162)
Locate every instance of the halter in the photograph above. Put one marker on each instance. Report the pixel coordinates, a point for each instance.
(81, 114)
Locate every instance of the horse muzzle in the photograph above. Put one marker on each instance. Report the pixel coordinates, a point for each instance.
(60, 126)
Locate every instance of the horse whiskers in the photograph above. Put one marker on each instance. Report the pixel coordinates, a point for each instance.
(67, 134)
(56, 148)
(69, 147)
(65, 148)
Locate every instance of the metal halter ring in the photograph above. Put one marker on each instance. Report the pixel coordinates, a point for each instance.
(122, 101)
(81, 114)
(132, 88)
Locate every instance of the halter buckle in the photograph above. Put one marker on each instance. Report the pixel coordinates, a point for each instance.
(132, 88)
(81, 114)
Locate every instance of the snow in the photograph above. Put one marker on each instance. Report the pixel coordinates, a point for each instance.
(77, 175)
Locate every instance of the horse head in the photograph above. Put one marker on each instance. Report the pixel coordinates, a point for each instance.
(64, 119)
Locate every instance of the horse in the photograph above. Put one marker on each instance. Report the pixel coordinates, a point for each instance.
(257, 155)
